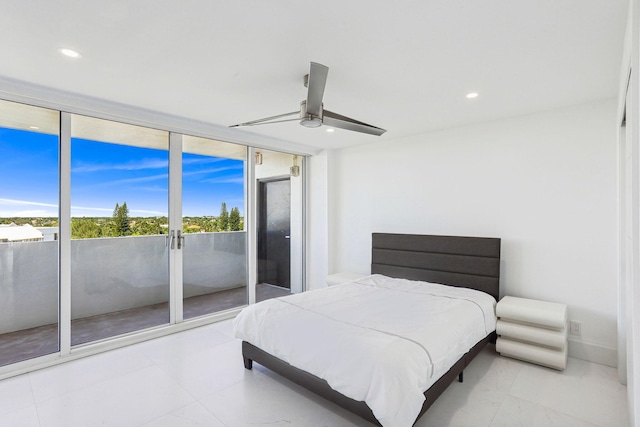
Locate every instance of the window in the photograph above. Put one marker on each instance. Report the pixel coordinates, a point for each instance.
(108, 229)
(29, 142)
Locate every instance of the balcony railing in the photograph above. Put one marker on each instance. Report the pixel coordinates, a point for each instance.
(111, 275)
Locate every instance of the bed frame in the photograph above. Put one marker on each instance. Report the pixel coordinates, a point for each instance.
(471, 262)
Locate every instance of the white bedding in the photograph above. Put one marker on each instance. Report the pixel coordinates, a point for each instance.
(408, 335)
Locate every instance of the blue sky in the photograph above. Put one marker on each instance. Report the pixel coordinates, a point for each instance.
(104, 174)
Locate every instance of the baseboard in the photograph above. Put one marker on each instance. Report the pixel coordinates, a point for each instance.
(593, 352)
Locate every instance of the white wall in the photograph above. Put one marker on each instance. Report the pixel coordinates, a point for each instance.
(629, 303)
(633, 334)
(317, 220)
(544, 183)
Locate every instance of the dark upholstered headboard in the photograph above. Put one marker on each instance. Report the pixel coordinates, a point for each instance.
(469, 262)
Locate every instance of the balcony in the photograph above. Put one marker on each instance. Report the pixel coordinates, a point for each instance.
(119, 285)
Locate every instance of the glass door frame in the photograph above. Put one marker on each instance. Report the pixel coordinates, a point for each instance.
(175, 262)
(251, 225)
(64, 234)
(176, 312)
(176, 323)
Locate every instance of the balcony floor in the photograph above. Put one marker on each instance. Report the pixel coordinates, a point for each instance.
(42, 340)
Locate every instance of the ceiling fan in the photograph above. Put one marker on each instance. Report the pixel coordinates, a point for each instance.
(312, 114)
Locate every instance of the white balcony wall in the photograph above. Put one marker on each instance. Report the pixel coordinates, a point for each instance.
(111, 274)
(117, 273)
(214, 262)
(28, 285)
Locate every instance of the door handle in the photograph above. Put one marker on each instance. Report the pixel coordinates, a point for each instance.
(180, 240)
(173, 238)
(287, 237)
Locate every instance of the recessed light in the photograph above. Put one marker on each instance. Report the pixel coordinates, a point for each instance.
(472, 95)
(34, 127)
(70, 53)
(331, 130)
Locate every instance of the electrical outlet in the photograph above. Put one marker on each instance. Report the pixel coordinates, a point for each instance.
(575, 327)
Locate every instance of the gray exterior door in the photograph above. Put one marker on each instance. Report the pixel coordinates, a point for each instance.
(274, 228)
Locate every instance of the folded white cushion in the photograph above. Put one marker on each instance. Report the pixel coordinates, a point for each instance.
(541, 313)
(532, 353)
(533, 334)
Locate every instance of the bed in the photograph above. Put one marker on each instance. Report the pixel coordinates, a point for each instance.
(412, 268)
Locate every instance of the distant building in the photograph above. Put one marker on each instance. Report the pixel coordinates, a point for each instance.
(20, 233)
(49, 233)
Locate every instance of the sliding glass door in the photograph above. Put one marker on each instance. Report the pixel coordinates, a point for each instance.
(119, 228)
(215, 241)
(29, 217)
(125, 243)
(108, 229)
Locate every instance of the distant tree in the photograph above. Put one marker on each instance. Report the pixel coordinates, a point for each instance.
(235, 220)
(223, 218)
(121, 220)
(191, 224)
(210, 225)
(146, 227)
(108, 229)
(84, 228)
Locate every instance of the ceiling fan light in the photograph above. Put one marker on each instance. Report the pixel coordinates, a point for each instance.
(311, 122)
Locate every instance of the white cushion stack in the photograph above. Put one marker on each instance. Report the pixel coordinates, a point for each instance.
(531, 330)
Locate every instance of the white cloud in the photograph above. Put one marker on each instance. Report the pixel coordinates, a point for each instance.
(141, 164)
(90, 209)
(142, 212)
(41, 213)
(17, 208)
(211, 171)
(130, 180)
(25, 202)
(237, 180)
(10, 208)
(201, 160)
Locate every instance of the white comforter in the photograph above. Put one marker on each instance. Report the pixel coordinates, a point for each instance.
(379, 340)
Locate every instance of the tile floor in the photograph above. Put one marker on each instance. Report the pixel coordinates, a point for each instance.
(196, 378)
(41, 340)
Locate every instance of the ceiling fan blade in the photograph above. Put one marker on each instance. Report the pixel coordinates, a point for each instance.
(268, 120)
(339, 121)
(315, 88)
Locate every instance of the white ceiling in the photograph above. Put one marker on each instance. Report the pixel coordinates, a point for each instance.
(405, 66)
